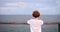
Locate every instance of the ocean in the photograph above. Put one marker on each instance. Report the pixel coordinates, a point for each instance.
(25, 27)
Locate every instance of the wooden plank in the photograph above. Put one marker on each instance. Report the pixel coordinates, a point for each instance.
(26, 23)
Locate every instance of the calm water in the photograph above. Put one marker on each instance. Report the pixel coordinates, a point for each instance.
(25, 27)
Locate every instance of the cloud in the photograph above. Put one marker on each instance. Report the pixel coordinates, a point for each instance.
(58, 2)
(33, 5)
(26, 5)
(8, 10)
(4, 9)
(47, 8)
(11, 4)
(23, 5)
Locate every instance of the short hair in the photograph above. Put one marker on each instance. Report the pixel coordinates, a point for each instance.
(35, 14)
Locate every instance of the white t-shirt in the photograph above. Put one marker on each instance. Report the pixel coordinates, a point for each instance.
(35, 25)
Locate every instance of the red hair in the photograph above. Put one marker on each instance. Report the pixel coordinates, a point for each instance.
(36, 14)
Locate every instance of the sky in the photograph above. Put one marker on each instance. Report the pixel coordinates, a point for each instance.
(26, 7)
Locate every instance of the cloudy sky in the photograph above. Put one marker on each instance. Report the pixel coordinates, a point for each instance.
(26, 7)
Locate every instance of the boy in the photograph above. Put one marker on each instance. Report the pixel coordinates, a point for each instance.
(35, 23)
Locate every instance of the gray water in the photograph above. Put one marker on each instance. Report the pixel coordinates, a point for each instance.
(25, 27)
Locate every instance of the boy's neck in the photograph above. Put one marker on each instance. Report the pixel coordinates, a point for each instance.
(36, 18)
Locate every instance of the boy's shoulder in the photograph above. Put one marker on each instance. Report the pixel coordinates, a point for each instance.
(30, 20)
(40, 20)
(33, 20)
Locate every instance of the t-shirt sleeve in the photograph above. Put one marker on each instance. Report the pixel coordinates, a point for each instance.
(41, 22)
(28, 22)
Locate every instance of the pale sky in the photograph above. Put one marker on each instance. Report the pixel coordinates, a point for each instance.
(26, 7)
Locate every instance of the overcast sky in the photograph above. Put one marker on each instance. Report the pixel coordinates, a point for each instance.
(26, 7)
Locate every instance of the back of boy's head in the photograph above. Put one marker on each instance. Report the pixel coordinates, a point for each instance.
(35, 14)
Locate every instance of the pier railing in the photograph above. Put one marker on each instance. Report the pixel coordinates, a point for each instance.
(26, 23)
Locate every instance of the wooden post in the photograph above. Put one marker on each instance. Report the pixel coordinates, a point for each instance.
(58, 27)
